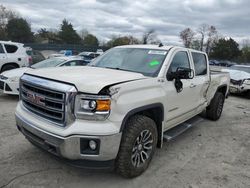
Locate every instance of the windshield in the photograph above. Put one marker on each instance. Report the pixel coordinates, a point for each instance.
(52, 62)
(145, 61)
(241, 68)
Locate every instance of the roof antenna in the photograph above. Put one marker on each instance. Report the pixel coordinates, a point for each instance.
(160, 45)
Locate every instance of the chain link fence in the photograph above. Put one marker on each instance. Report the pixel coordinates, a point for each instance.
(58, 47)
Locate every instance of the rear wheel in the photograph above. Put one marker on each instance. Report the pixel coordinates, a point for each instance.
(137, 146)
(248, 94)
(215, 108)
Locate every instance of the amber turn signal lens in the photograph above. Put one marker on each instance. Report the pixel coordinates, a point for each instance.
(103, 105)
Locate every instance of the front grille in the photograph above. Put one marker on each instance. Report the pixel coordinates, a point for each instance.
(47, 103)
(1, 85)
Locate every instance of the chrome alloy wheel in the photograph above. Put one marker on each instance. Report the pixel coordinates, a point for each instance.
(142, 148)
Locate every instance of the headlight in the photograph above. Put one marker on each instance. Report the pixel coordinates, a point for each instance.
(14, 79)
(92, 107)
(2, 77)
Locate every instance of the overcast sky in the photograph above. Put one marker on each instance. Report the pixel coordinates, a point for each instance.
(105, 18)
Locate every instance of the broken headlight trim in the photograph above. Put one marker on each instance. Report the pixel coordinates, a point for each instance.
(237, 82)
(92, 107)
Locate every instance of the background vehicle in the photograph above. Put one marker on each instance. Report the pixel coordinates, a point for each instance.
(9, 80)
(225, 63)
(117, 110)
(245, 68)
(12, 55)
(240, 79)
(214, 62)
(99, 51)
(62, 53)
(35, 56)
(89, 56)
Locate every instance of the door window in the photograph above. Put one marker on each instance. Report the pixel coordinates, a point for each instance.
(200, 63)
(180, 60)
(10, 48)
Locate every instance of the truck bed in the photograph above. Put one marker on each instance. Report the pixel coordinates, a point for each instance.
(217, 79)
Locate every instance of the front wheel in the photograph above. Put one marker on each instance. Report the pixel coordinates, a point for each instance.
(137, 146)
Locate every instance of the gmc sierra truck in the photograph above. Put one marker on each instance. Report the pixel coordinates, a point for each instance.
(118, 110)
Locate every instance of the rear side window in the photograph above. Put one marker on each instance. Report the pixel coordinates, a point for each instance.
(200, 63)
(10, 48)
(1, 49)
(180, 60)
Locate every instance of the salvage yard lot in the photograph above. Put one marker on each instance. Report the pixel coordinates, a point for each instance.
(211, 154)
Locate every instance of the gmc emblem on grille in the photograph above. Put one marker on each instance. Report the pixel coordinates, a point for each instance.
(36, 99)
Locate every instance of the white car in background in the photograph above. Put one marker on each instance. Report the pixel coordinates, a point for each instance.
(13, 55)
(9, 80)
(62, 53)
(239, 79)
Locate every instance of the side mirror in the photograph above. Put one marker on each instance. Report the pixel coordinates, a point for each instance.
(181, 73)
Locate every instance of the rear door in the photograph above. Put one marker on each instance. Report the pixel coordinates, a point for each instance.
(201, 79)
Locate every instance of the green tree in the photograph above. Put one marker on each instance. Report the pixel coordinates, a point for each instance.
(90, 40)
(47, 36)
(225, 49)
(19, 30)
(5, 16)
(67, 33)
(245, 54)
(124, 40)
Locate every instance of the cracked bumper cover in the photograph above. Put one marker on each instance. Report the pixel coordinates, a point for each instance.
(69, 147)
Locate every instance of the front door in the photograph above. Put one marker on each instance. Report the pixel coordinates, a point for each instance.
(180, 105)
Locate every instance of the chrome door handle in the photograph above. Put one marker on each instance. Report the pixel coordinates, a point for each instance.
(192, 86)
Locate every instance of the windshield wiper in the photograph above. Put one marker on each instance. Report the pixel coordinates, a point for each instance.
(117, 68)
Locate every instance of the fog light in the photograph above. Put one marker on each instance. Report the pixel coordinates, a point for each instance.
(92, 144)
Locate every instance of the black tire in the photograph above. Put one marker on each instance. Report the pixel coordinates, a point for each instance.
(8, 67)
(136, 127)
(248, 94)
(215, 108)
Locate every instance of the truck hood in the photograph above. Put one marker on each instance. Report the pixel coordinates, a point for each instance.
(15, 72)
(87, 79)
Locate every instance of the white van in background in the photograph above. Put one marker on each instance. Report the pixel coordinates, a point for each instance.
(13, 55)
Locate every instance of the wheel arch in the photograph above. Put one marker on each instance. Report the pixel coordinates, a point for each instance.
(10, 63)
(223, 89)
(154, 111)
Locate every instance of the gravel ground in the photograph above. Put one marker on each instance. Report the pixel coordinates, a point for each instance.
(211, 154)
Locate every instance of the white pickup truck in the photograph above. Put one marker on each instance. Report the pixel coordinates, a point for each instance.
(118, 110)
